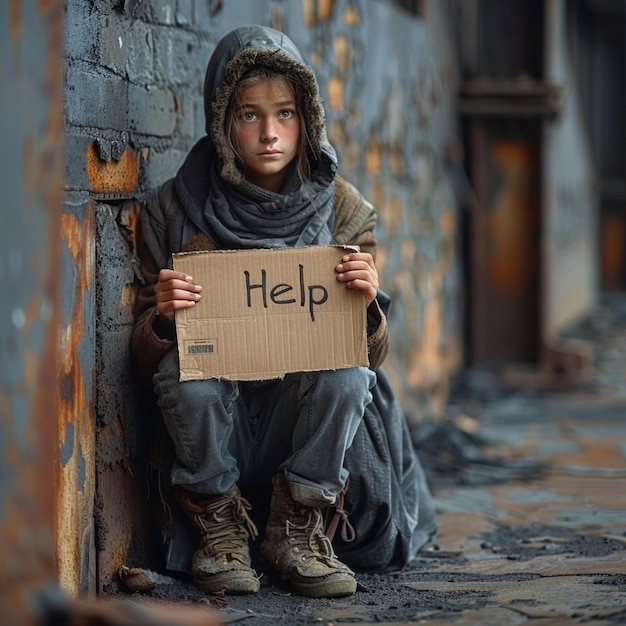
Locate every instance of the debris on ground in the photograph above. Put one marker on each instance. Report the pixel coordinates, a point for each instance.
(527, 483)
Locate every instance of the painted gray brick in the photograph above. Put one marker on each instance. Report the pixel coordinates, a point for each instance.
(154, 11)
(164, 11)
(176, 57)
(204, 12)
(162, 165)
(113, 43)
(140, 65)
(94, 100)
(184, 13)
(186, 126)
(75, 146)
(115, 270)
(151, 111)
(198, 117)
(80, 27)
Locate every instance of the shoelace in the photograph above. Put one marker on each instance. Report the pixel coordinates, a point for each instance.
(348, 533)
(310, 533)
(230, 526)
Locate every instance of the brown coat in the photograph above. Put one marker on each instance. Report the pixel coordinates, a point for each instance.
(161, 224)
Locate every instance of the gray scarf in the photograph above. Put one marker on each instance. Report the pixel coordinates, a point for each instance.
(243, 216)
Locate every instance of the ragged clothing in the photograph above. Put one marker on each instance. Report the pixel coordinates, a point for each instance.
(210, 205)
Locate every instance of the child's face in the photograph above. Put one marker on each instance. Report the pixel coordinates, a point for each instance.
(266, 132)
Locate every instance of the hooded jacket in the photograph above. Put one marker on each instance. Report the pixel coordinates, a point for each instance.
(209, 205)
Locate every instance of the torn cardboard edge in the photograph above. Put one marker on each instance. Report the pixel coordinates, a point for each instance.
(266, 313)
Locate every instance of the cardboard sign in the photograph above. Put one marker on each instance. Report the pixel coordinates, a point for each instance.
(265, 313)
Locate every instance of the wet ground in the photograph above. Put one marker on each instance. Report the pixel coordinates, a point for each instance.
(530, 487)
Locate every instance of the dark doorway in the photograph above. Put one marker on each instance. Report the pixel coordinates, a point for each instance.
(504, 244)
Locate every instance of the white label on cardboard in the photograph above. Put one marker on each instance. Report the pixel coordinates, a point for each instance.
(265, 313)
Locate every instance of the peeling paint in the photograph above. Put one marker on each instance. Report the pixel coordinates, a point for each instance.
(66, 447)
(351, 16)
(309, 17)
(341, 51)
(31, 183)
(325, 10)
(335, 89)
(75, 403)
(373, 157)
(277, 18)
(121, 176)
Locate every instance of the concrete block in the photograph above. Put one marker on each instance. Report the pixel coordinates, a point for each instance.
(184, 12)
(220, 16)
(75, 146)
(140, 64)
(80, 25)
(178, 60)
(125, 46)
(155, 11)
(199, 118)
(164, 11)
(186, 120)
(114, 250)
(106, 6)
(94, 100)
(115, 296)
(114, 368)
(151, 111)
(113, 45)
(114, 272)
(162, 165)
(203, 14)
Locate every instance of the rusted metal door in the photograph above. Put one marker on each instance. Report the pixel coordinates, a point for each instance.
(505, 242)
(504, 100)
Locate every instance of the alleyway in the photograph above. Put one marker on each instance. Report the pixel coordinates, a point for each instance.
(516, 545)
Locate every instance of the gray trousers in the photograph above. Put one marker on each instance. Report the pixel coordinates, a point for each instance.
(225, 431)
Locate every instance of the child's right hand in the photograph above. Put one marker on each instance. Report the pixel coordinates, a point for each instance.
(175, 290)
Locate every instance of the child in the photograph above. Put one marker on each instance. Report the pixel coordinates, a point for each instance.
(265, 176)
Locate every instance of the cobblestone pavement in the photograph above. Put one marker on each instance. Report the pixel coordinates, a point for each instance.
(533, 524)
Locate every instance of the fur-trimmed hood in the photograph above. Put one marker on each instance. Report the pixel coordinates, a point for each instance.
(236, 53)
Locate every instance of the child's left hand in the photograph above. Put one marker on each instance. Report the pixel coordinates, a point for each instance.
(358, 271)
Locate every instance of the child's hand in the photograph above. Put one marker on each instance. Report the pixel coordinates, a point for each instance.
(175, 290)
(357, 271)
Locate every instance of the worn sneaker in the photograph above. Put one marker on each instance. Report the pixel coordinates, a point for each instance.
(295, 544)
(222, 563)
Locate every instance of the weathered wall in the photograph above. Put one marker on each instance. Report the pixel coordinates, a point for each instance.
(570, 218)
(390, 83)
(133, 107)
(31, 40)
